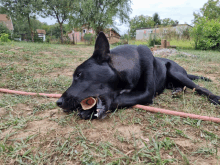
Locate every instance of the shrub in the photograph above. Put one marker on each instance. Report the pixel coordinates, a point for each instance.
(4, 29)
(48, 38)
(89, 38)
(4, 37)
(153, 40)
(206, 34)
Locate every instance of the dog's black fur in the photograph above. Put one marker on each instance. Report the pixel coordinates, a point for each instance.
(125, 76)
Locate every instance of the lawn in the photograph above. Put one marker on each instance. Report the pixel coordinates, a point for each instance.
(180, 44)
(33, 130)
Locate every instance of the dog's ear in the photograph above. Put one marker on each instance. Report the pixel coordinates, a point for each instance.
(101, 48)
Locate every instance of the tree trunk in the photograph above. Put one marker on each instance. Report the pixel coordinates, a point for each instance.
(30, 28)
(61, 31)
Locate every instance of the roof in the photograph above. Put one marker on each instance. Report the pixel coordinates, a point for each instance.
(114, 31)
(41, 31)
(164, 26)
(6, 21)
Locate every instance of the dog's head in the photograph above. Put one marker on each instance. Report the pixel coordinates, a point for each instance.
(93, 78)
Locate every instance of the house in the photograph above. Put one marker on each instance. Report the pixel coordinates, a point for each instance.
(41, 33)
(111, 34)
(145, 33)
(7, 21)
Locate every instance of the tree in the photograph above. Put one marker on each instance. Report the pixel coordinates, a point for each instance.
(2, 10)
(206, 34)
(211, 10)
(60, 10)
(55, 30)
(138, 22)
(21, 26)
(101, 14)
(22, 9)
(169, 22)
(156, 19)
(46, 27)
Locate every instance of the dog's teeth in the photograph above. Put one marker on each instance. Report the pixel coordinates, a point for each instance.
(97, 115)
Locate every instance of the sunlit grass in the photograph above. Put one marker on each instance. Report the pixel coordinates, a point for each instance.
(183, 44)
(180, 44)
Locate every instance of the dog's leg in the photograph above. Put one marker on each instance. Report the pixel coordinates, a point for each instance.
(127, 99)
(183, 80)
(193, 77)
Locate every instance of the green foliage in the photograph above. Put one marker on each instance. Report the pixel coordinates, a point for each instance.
(48, 39)
(153, 40)
(142, 21)
(211, 10)
(100, 14)
(169, 22)
(206, 34)
(156, 19)
(55, 30)
(89, 38)
(4, 37)
(138, 22)
(61, 13)
(22, 10)
(125, 37)
(4, 29)
(21, 26)
(2, 10)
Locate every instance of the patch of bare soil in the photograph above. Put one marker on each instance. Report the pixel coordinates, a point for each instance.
(46, 53)
(2, 112)
(43, 126)
(16, 50)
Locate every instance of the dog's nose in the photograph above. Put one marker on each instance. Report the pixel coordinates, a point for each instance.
(60, 102)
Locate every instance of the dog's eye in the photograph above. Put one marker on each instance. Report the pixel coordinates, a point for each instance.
(78, 74)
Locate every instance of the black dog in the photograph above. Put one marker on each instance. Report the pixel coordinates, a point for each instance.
(125, 76)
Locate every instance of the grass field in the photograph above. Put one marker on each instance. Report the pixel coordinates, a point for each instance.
(33, 130)
(181, 44)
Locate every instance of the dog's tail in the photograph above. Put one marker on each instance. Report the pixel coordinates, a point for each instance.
(193, 77)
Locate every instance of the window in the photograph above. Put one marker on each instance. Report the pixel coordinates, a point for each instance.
(84, 31)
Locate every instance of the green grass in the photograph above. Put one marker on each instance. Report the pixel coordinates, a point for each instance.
(33, 130)
(183, 44)
(180, 44)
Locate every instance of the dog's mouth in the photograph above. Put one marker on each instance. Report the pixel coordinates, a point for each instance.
(95, 105)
